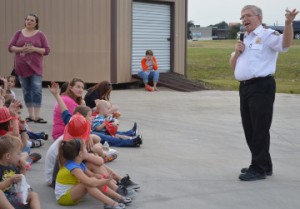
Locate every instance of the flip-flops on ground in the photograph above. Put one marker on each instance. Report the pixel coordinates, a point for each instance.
(29, 119)
(40, 120)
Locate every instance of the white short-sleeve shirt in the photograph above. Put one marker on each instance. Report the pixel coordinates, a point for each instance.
(50, 159)
(260, 54)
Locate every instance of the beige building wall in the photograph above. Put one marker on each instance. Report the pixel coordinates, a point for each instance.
(123, 42)
(78, 33)
(89, 39)
(180, 37)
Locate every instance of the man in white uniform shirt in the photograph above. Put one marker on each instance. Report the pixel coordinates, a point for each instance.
(254, 64)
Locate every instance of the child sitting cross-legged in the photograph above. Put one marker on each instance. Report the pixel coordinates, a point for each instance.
(74, 180)
(10, 169)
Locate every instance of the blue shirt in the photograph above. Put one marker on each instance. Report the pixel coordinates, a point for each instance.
(70, 165)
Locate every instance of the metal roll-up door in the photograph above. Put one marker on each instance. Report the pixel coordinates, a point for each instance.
(151, 29)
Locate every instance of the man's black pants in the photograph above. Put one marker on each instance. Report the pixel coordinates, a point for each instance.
(256, 105)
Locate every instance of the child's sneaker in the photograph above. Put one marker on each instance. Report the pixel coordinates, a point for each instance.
(127, 183)
(110, 155)
(125, 192)
(137, 141)
(37, 143)
(44, 136)
(124, 200)
(135, 129)
(119, 206)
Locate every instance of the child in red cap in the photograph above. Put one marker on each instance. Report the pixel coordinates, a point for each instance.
(74, 179)
(9, 124)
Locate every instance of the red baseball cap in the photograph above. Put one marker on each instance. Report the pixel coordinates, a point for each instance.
(77, 128)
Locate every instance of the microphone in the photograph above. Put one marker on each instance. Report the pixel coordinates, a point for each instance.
(242, 32)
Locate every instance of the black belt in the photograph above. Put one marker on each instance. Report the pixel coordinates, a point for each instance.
(254, 80)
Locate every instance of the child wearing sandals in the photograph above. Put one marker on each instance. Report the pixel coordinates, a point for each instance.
(74, 180)
(10, 169)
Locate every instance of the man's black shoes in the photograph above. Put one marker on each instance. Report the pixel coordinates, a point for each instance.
(268, 172)
(252, 175)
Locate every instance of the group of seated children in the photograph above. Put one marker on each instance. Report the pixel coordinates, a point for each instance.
(7, 95)
(15, 147)
(81, 160)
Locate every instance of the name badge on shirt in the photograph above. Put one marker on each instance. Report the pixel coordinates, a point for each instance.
(255, 46)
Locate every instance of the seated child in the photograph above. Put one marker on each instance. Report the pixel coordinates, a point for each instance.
(10, 169)
(21, 130)
(74, 180)
(11, 83)
(99, 127)
(5, 204)
(72, 131)
(9, 124)
(36, 138)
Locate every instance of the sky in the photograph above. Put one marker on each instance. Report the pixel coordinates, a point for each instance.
(211, 12)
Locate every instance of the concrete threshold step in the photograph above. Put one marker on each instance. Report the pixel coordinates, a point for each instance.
(178, 82)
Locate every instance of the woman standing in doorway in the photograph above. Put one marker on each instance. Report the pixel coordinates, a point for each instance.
(30, 45)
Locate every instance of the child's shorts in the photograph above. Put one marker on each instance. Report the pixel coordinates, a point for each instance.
(66, 199)
(13, 200)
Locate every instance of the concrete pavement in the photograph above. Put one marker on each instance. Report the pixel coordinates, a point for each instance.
(192, 152)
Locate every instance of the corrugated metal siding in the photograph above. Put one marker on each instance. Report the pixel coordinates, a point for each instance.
(151, 29)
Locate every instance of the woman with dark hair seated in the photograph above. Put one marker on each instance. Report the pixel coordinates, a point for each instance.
(100, 91)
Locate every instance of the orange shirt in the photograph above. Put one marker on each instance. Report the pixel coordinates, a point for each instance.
(145, 66)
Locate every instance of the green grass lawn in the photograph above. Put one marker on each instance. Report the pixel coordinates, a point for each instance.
(208, 61)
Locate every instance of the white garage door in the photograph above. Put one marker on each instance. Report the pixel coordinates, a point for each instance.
(151, 29)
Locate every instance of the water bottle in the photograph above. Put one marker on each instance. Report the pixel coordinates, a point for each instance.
(106, 146)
